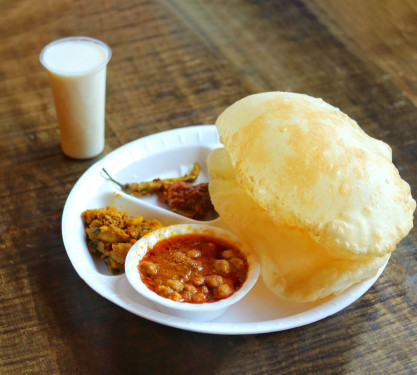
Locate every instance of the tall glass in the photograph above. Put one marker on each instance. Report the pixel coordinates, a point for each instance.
(77, 73)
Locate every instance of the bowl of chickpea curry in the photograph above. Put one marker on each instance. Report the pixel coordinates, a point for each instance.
(194, 271)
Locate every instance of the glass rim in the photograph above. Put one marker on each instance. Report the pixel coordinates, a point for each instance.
(103, 45)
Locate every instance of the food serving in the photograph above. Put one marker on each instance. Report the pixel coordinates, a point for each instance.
(111, 233)
(258, 312)
(189, 200)
(192, 269)
(318, 200)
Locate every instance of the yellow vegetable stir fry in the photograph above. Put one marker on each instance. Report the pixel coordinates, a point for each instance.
(111, 234)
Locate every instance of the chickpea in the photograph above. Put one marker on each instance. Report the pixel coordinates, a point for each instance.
(176, 285)
(198, 281)
(199, 297)
(190, 288)
(175, 296)
(193, 253)
(223, 291)
(213, 281)
(222, 266)
(164, 291)
(149, 268)
(237, 263)
(227, 254)
(187, 296)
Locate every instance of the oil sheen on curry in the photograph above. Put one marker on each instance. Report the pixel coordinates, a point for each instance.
(194, 268)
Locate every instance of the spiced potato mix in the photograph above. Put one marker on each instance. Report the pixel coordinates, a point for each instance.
(317, 199)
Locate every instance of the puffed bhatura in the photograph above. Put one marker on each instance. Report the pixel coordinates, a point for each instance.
(317, 199)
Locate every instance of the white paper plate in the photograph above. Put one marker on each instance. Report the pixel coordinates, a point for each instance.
(162, 155)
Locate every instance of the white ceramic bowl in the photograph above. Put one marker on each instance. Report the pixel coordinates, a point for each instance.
(195, 311)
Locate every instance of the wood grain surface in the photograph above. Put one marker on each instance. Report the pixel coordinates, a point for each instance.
(180, 63)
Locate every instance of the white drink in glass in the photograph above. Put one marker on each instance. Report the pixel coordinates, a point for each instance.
(77, 72)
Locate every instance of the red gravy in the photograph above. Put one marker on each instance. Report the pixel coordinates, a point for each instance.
(194, 268)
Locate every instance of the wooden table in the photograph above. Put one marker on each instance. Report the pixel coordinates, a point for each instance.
(180, 63)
